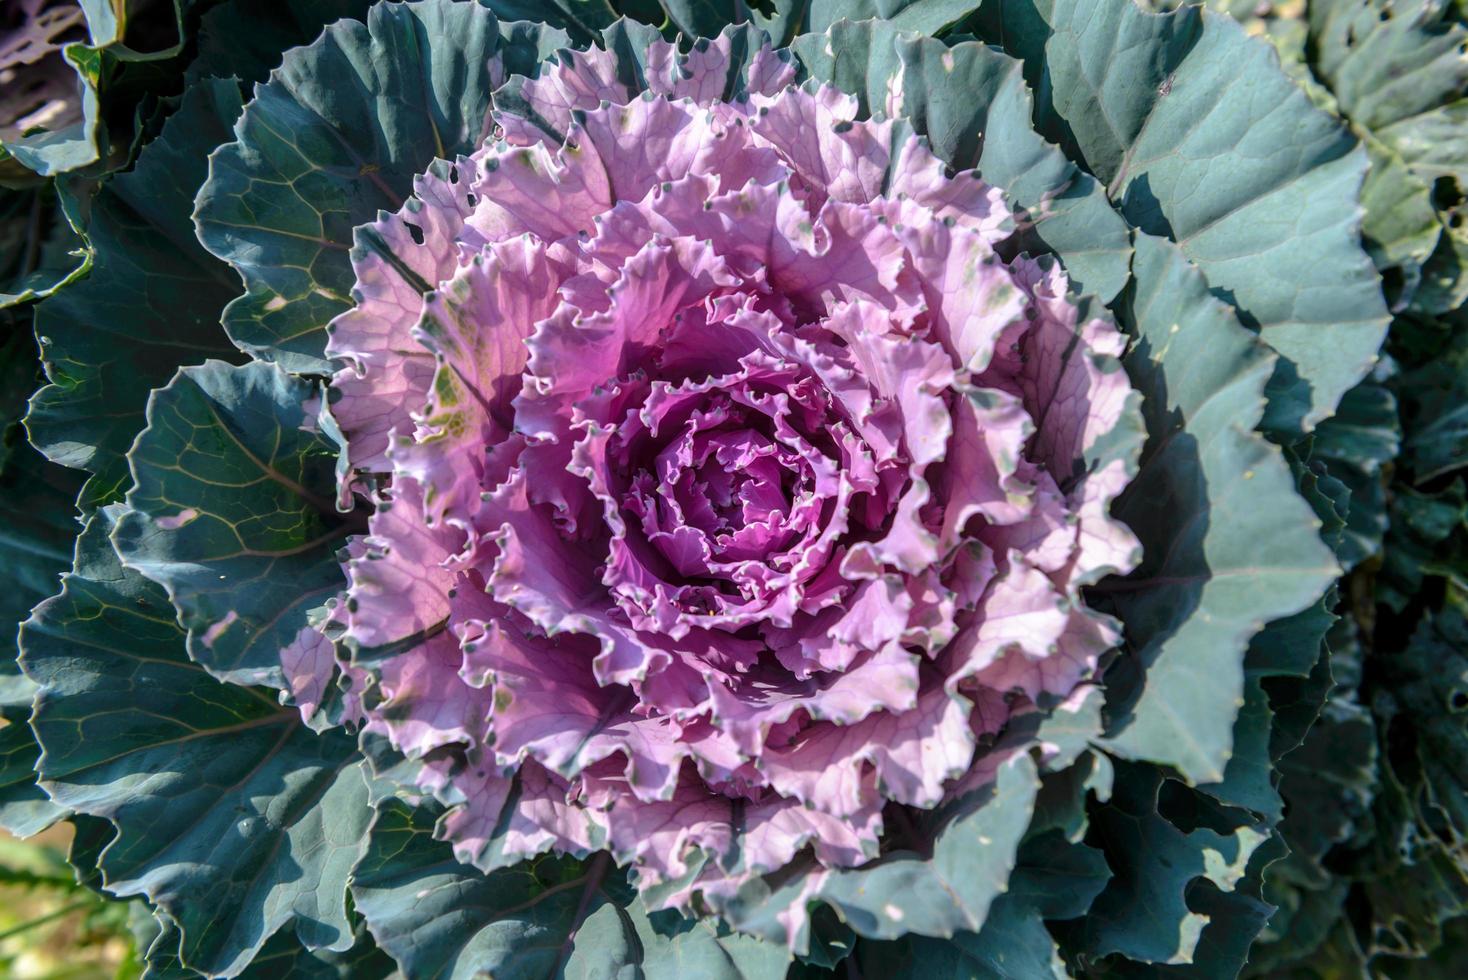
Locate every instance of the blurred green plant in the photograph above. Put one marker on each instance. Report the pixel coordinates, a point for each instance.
(54, 926)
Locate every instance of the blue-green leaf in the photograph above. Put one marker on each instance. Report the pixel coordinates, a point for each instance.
(543, 918)
(1146, 912)
(40, 252)
(231, 815)
(939, 893)
(25, 809)
(922, 16)
(1201, 138)
(151, 301)
(37, 515)
(337, 134)
(1228, 543)
(704, 18)
(282, 958)
(233, 512)
(1053, 880)
(1354, 444)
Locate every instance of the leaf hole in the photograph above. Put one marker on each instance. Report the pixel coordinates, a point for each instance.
(415, 231)
(1446, 194)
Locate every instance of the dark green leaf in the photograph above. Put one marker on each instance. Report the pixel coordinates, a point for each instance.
(282, 958)
(439, 918)
(1248, 777)
(1355, 444)
(151, 301)
(39, 250)
(781, 19)
(25, 809)
(1268, 211)
(1145, 913)
(232, 511)
(37, 508)
(580, 19)
(231, 816)
(705, 18)
(315, 157)
(1228, 543)
(235, 41)
(1435, 411)
(1428, 537)
(922, 16)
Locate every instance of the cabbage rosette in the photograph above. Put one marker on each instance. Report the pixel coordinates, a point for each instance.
(721, 494)
(727, 491)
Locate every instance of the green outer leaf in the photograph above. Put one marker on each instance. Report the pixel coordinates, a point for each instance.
(1287, 665)
(923, 16)
(1396, 69)
(234, 41)
(1386, 69)
(1401, 229)
(1248, 776)
(37, 526)
(675, 948)
(1444, 287)
(1053, 880)
(972, 103)
(25, 809)
(787, 19)
(314, 157)
(1434, 399)
(705, 18)
(130, 50)
(231, 815)
(440, 918)
(1228, 543)
(902, 892)
(1144, 912)
(1433, 143)
(580, 19)
(282, 958)
(1203, 139)
(39, 250)
(1426, 539)
(48, 153)
(1406, 856)
(232, 511)
(1354, 444)
(152, 299)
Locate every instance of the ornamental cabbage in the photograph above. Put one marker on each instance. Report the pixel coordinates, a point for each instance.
(601, 487)
(730, 484)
